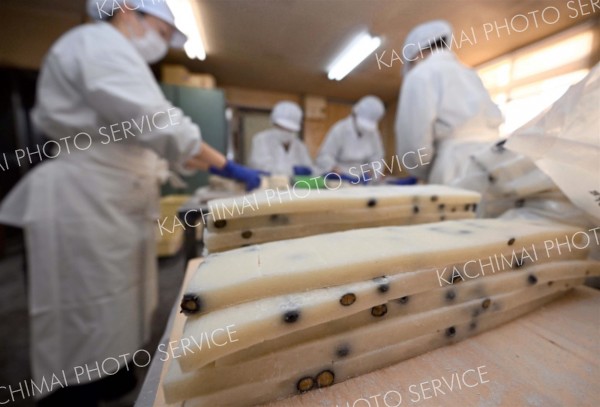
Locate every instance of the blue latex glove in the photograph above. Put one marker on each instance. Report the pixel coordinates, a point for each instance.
(240, 173)
(353, 179)
(403, 181)
(302, 170)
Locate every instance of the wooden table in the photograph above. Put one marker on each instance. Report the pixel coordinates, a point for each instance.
(547, 358)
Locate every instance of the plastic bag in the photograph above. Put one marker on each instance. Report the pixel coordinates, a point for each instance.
(564, 143)
(506, 180)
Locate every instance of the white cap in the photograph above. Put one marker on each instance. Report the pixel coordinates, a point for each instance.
(424, 36)
(103, 9)
(369, 110)
(287, 115)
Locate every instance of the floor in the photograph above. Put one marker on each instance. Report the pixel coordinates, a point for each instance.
(14, 357)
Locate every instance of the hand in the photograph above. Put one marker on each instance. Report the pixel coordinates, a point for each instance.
(232, 170)
(302, 170)
(353, 179)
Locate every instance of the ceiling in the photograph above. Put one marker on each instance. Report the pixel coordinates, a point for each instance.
(287, 45)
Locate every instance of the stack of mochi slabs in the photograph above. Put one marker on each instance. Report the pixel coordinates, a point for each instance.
(272, 215)
(309, 313)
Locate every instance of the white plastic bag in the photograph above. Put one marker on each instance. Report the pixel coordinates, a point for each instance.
(564, 142)
(506, 180)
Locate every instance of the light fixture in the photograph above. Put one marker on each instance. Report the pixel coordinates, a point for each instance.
(359, 48)
(187, 20)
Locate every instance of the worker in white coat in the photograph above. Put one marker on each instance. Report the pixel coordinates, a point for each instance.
(354, 141)
(278, 150)
(90, 215)
(444, 111)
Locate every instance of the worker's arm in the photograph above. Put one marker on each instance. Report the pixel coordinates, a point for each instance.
(377, 156)
(120, 90)
(304, 165)
(417, 110)
(261, 155)
(207, 157)
(327, 157)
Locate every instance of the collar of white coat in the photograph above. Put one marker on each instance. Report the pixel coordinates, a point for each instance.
(350, 123)
(284, 136)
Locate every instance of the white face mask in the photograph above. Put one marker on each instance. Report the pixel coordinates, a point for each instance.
(151, 45)
(286, 136)
(359, 128)
(362, 129)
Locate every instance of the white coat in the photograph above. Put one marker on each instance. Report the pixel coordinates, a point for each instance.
(344, 148)
(269, 154)
(445, 112)
(90, 216)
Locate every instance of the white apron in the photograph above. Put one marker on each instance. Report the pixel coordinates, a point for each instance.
(453, 153)
(89, 223)
(452, 158)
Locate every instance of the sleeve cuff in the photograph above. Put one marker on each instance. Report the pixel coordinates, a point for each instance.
(180, 167)
(196, 149)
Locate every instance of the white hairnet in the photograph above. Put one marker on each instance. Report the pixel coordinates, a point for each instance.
(424, 36)
(369, 110)
(287, 115)
(104, 9)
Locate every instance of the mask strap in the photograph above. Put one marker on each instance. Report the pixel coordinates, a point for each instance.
(355, 122)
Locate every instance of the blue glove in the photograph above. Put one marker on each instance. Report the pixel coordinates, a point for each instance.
(353, 179)
(403, 181)
(240, 173)
(302, 170)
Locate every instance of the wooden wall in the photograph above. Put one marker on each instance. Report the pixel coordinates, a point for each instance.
(27, 34)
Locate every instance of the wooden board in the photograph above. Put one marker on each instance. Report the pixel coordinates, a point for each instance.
(547, 358)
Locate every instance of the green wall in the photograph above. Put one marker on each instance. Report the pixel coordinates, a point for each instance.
(206, 108)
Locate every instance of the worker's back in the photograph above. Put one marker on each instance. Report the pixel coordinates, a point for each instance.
(463, 107)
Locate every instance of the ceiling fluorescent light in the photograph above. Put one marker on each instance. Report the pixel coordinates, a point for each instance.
(187, 19)
(361, 47)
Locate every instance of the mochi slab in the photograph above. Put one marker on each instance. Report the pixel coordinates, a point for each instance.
(287, 380)
(272, 317)
(298, 265)
(285, 214)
